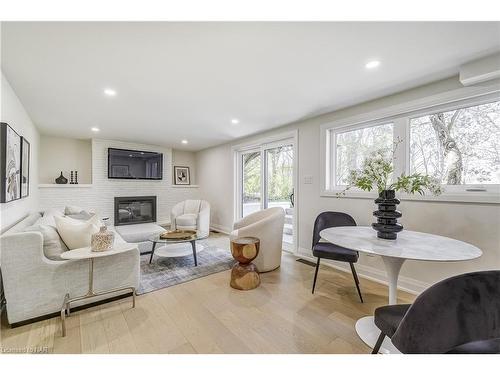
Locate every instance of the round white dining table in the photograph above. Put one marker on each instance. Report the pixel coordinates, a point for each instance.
(408, 245)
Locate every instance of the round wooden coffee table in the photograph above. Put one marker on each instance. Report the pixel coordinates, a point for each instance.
(245, 275)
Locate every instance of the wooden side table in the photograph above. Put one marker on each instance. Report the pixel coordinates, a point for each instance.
(245, 275)
(87, 253)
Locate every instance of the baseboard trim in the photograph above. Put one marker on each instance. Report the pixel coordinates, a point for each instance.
(405, 284)
(73, 309)
(220, 228)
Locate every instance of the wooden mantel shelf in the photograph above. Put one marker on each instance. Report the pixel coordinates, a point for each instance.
(65, 185)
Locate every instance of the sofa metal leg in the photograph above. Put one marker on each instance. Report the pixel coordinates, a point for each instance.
(315, 275)
(377, 346)
(356, 280)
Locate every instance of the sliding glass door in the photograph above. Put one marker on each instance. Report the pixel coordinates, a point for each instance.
(251, 182)
(266, 179)
(278, 186)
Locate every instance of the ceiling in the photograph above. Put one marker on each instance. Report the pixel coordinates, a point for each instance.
(187, 80)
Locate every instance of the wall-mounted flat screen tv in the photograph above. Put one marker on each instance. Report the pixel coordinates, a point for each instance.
(135, 165)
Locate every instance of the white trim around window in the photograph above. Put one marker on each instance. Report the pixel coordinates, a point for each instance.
(399, 116)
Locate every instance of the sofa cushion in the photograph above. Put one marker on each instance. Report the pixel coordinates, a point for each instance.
(186, 220)
(192, 206)
(136, 233)
(53, 245)
(29, 221)
(75, 233)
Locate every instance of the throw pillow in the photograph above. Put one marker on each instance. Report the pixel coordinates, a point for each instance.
(72, 210)
(53, 245)
(76, 233)
(48, 217)
(83, 215)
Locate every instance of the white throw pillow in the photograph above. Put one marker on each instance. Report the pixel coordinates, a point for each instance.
(75, 233)
(53, 245)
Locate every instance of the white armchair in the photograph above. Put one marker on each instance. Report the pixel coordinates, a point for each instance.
(267, 226)
(191, 214)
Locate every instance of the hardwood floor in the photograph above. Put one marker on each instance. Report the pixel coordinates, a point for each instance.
(207, 316)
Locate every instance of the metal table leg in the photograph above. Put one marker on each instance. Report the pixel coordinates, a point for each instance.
(65, 309)
(193, 245)
(152, 252)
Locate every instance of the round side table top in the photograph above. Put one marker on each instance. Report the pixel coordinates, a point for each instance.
(87, 253)
(408, 245)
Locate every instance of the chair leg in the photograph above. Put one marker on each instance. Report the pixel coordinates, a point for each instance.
(356, 281)
(377, 346)
(315, 275)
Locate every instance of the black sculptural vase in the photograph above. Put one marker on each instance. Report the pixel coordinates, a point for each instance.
(387, 225)
(61, 179)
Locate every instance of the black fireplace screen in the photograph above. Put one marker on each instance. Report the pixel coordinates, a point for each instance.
(135, 210)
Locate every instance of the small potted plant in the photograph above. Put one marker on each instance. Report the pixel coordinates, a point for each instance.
(377, 173)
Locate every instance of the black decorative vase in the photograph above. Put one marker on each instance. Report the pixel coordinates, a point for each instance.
(387, 225)
(61, 179)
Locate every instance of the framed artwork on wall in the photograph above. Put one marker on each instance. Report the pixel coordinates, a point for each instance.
(181, 176)
(25, 168)
(10, 164)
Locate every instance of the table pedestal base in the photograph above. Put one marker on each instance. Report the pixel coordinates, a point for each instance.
(368, 332)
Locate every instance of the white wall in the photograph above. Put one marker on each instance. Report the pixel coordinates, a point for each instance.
(13, 113)
(64, 155)
(185, 159)
(100, 195)
(475, 223)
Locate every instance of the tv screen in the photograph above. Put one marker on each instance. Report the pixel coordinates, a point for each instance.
(132, 164)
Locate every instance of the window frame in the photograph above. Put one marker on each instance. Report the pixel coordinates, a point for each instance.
(400, 116)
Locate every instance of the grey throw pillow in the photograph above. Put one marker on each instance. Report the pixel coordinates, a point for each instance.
(53, 245)
(72, 210)
(83, 215)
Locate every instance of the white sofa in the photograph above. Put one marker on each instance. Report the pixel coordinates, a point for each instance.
(191, 214)
(35, 286)
(267, 226)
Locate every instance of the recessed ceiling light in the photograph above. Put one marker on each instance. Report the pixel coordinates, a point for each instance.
(109, 92)
(94, 129)
(372, 64)
(235, 121)
(184, 141)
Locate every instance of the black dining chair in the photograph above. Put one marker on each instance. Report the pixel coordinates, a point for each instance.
(457, 315)
(328, 250)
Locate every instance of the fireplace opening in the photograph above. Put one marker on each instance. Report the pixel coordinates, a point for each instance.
(135, 210)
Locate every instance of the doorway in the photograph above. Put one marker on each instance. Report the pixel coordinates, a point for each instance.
(266, 178)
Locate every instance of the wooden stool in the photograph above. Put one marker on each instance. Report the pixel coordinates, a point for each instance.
(244, 275)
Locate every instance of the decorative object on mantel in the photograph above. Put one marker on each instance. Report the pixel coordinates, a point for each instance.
(181, 176)
(71, 177)
(377, 172)
(61, 180)
(244, 274)
(76, 177)
(10, 164)
(104, 239)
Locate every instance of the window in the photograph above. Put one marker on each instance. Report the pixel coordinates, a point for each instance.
(458, 143)
(458, 147)
(352, 147)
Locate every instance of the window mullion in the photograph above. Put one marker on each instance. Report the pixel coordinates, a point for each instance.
(401, 156)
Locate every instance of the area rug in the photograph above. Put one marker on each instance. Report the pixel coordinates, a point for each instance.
(164, 272)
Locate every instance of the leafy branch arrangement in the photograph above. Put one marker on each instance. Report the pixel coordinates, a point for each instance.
(377, 171)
